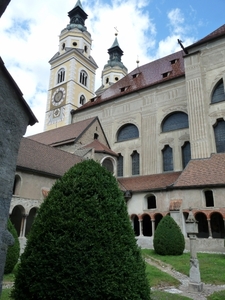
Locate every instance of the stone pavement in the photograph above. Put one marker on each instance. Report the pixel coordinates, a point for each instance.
(183, 289)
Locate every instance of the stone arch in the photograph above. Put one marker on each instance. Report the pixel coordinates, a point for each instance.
(109, 163)
(217, 225)
(158, 218)
(147, 225)
(30, 219)
(135, 223)
(16, 218)
(203, 229)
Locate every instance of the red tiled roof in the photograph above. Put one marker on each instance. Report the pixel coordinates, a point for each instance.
(149, 182)
(99, 147)
(147, 75)
(62, 134)
(219, 32)
(45, 159)
(203, 172)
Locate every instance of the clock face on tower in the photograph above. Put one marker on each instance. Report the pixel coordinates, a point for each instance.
(58, 96)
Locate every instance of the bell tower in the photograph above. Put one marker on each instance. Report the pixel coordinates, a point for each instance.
(72, 74)
(114, 70)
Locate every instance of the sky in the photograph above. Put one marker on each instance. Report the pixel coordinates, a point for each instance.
(147, 30)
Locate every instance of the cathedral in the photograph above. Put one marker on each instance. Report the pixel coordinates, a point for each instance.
(160, 129)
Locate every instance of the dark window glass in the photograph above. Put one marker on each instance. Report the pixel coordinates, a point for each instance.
(209, 201)
(120, 165)
(61, 75)
(127, 132)
(167, 158)
(82, 100)
(218, 94)
(107, 163)
(151, 202)
(219, 131)
(175, 121)
(135, 163)
(83, 77)
(186, 153)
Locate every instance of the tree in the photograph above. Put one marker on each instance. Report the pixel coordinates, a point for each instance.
(81, 244)
(13, 251)
(168, 238)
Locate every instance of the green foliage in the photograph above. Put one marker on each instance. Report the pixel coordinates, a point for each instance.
(81, 244)
(168, 238)
(13, 252)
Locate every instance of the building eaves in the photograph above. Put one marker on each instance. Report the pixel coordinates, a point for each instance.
(32, 118)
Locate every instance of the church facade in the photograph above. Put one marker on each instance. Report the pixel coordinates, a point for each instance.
(160, 129)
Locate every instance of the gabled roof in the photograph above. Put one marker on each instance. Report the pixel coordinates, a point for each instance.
(32, 118)
(156, 72)
(99, 148)
(64, 134)
(218, 33)
(149, 182)
(40, 158)
(203, 172)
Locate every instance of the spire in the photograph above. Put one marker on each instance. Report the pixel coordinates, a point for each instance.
(77, 17)
(115, 54)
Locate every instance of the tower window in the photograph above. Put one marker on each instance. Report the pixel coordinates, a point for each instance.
(83, 77)
(63, 46)
(135, 163)
(74, 44)
(116, 78)
(82, 100)
(107, 80)
(61, 75)
(120, 165)
(167, 153)
(85, 48)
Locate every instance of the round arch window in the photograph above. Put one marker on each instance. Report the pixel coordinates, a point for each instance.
(108, 164)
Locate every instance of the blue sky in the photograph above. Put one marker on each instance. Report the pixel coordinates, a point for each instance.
(147, 29)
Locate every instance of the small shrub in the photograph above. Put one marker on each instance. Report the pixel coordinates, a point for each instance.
(13, 251)
(168, 238)
(81, 244)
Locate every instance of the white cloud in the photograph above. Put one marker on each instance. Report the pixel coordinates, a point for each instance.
(29, 38)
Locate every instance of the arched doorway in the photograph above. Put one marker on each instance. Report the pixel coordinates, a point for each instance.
(158, 218)
(203, 230)
(30, 220)
(136, 225)
(217, 225)
(16, 218)
(147, 225)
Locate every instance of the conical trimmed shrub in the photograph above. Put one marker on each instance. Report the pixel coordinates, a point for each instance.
(168, 238)
(13, 251)
(81, 244)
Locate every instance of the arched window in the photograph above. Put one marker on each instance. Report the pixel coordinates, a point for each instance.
(83, 77)
(218, 93)
(209, 201)
(127, 132)
(175, 121)
(186, 153)
(135, 163)
(151, 202)
(120, 165)
(61, 75)
(82, 100)
(203, 229)
(108, 164)
(219, 132)
(167, 153)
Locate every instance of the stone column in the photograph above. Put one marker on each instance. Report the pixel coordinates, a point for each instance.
(24, 224)
(153, 227)
(140, 227)
(210, 229)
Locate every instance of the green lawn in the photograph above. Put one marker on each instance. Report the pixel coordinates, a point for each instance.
(212, 268)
